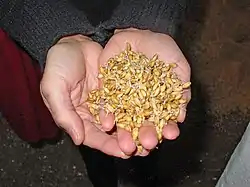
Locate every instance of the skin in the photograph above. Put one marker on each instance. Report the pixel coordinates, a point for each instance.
(71, 73)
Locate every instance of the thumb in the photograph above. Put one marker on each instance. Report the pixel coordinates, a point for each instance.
(57, 98)
(183, 107)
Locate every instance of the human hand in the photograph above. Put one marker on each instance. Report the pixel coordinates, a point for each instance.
(70, 74)
(149, 43)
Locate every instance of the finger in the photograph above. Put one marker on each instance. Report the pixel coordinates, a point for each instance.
(171, 131)
(99, 140)
(59, 103)
(107, 120)
(183, 107)
(148, 136)
(125, 141)
(143, 153)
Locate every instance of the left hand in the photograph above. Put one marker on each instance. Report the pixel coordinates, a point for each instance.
(70, 74)
(149, 43)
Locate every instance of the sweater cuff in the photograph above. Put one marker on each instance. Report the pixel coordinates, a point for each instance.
(162, 16)
(39, 24)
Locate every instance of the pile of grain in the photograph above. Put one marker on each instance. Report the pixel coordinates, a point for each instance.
(136, 88)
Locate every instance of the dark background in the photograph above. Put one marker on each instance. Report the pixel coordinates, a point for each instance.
(216, 41)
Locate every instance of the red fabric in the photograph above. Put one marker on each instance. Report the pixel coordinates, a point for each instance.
(20, 100)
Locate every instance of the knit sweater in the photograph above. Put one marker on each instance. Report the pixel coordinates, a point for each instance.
(38, 24)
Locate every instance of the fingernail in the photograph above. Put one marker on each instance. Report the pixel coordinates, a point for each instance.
(124, 156)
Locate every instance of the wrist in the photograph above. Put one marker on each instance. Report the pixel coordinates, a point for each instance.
(126, 29)
(74, 38)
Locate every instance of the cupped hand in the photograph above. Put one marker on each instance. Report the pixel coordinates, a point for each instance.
(149, 43)
(70, 74)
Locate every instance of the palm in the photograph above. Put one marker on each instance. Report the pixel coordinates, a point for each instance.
(151, 43)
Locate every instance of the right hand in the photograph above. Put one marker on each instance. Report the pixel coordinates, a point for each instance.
(70, 74)
(149, 43)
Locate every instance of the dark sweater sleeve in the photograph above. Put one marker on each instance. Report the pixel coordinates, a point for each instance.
(37, 24)
(157, 15)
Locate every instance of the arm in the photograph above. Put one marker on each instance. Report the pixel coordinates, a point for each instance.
(38, 24)
(162, 16)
